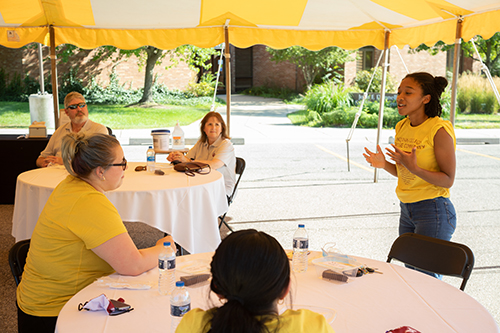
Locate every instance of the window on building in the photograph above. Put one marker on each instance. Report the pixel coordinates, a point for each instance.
(366, 58)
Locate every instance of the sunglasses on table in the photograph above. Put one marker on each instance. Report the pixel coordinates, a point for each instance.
(74, 106)
(123, 164)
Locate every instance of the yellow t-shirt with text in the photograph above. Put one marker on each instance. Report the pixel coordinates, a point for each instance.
(410, 187)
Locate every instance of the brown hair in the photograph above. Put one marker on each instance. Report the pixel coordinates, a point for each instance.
(204, 121)
(83, 153)
(72, 95)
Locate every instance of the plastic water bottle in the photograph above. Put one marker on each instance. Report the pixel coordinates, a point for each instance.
(151, 159)
(177, 137)
(180, 304)
(166, 269)
(300, 249)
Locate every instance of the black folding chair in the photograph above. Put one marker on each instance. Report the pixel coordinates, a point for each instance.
(433, 255)
(17, 258)
(240, 168)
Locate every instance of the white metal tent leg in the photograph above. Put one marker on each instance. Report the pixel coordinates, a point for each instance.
(227, 55)
(456, 62)
(53, 65)
(382, 96)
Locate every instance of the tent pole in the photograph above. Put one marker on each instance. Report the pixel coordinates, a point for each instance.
(382, 96)
(456, 63)
(227, 55)
(53, 65)
(40, 61)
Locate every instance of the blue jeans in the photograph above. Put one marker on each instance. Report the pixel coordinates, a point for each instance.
(434, 218)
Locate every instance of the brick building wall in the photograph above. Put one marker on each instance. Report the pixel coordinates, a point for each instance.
(272, 74)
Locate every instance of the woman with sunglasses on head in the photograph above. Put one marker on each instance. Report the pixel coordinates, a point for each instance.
(424, 156)
(251, 275)
(214, 147)
(76, 109)
(79, 235)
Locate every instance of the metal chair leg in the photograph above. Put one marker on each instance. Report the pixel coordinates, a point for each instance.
(222, 221)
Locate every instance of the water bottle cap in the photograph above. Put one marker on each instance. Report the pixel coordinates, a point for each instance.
(150, 147)
(301, 225)
(166, 243)
(179, 284)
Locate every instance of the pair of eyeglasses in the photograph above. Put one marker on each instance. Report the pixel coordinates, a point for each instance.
(74, 106)
(122, 164)
(193, 172)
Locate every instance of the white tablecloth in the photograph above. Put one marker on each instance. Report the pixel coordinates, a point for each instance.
(185, 207)
(371, 303)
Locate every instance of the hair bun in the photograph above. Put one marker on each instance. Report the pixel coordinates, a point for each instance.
(440, 83)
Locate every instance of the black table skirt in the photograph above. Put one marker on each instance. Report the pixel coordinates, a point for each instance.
(18, 156)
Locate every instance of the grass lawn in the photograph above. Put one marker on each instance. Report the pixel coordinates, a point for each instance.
(17, 115)
(466, 121)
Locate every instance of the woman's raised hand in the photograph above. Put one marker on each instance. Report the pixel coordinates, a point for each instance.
(408, 160)
(376, 160)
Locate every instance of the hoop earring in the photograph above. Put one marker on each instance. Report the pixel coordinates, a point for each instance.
(281, 301)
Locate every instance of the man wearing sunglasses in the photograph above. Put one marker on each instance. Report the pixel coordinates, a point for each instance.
(76, 109)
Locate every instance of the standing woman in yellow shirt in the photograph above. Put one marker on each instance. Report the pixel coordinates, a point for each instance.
(424, 156)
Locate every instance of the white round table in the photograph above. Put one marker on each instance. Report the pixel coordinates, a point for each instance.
(371, 303)
(183, 206)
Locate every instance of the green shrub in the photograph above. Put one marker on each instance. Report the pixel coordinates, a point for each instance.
(363, 78)
(283, 93)
(372, 107)
(336, 118)
(200, 89)
(205, 87)
(326, 97)
(475, 95)
(314, 117)
(344, 117)
(367, 120)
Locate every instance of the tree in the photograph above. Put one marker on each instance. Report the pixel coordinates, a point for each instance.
(196, 58)
(312, 62)
(489, 51)
(149, 56)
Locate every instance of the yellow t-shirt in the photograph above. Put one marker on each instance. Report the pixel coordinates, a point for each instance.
(410, 187)
(291, 321)
(75, 219)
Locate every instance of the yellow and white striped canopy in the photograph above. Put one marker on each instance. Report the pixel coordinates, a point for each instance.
(314, 24)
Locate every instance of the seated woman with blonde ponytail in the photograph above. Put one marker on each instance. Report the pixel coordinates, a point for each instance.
(79, 235)
(250, 275)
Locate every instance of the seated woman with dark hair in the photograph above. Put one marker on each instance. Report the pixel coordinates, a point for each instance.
(250, 275)
(79, 235)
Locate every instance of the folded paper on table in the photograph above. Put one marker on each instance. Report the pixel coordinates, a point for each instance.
(114, 283)
(194, 266)
(340, 264)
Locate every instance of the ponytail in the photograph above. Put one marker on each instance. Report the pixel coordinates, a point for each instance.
(83, 153)
(251, 271)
